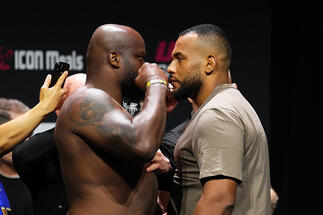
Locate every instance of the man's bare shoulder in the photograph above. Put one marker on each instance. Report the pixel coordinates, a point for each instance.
(88, 104)
(88, 93)
(89, 108)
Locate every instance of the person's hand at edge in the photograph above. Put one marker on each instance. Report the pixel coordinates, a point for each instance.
(51, 98)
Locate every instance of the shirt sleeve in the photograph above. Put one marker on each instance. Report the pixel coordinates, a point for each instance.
(218, 143)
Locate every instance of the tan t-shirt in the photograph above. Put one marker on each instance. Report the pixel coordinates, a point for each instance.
(224, 137)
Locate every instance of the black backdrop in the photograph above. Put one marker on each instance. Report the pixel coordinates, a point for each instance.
(272, 51)
(248, 30)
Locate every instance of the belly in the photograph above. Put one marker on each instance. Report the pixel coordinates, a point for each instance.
(106, 184)
(116, 197)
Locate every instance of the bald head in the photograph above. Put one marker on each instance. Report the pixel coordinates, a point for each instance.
(109, 42)
(72, 83)
(112, 36)
(114, 56)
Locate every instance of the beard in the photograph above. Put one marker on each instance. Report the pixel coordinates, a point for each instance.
(189, 87)
(130, 90)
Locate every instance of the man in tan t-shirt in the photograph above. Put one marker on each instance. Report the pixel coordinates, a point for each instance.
(221, 157)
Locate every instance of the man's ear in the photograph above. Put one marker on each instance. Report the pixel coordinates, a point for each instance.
(210, 64)
(114, 59)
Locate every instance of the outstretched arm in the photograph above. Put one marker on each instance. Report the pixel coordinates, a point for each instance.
(18, 129)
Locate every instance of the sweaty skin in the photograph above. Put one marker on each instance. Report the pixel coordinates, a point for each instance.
(103, 150)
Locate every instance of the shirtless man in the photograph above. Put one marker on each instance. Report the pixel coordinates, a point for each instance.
(103, 150)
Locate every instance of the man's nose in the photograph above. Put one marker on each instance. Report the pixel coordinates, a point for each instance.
(171, 68)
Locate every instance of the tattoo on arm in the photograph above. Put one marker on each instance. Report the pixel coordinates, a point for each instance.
(91, 113)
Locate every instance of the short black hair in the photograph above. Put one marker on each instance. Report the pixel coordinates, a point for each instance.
(212, 31)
